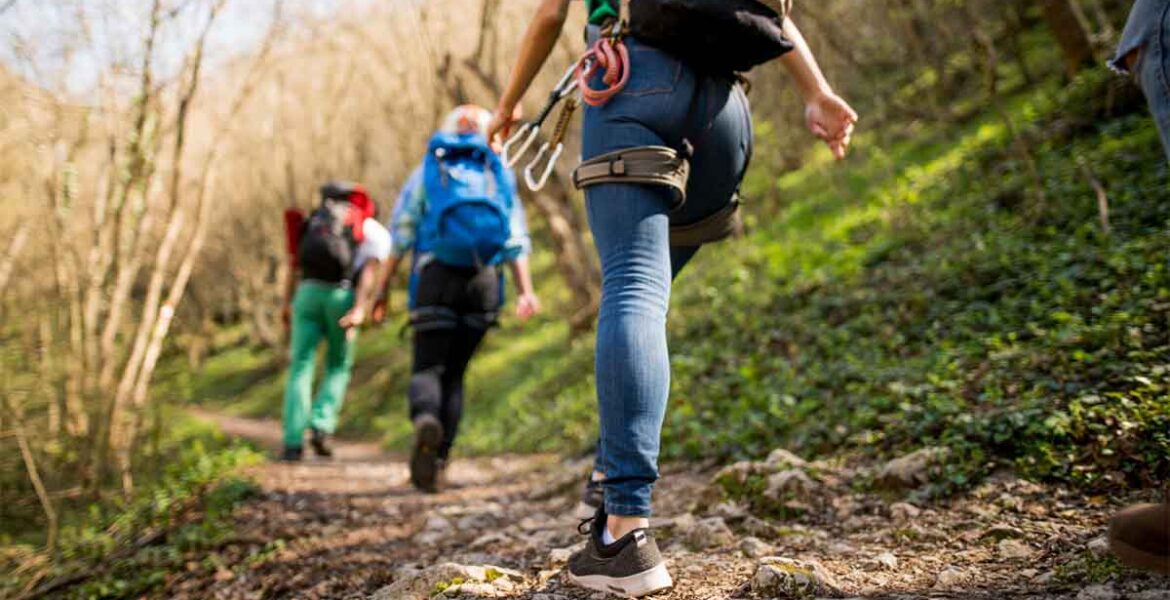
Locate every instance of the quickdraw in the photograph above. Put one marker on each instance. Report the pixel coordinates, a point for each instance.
(610, 55)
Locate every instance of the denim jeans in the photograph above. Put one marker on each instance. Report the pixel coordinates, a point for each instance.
(1148, 33)
(664, 103)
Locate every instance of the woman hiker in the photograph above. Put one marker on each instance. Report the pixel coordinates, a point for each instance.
(643, 128)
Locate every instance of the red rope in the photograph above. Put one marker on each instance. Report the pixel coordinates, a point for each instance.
(612, 55)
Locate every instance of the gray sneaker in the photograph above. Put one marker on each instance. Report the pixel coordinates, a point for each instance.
(424, 459)
(631, 567)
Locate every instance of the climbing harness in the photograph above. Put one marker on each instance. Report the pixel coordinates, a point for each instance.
(649, 165)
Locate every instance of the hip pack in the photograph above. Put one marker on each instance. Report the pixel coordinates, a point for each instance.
(713, 36)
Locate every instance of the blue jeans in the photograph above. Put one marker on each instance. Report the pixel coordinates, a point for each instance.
(1148, 32)
(664, 103)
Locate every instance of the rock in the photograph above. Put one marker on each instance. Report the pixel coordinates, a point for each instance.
(887, 561)
(437, 523)
(758, 527)
(949, 577)
(1002, 532)
(477, 521)
(754, 547)
(1151, 595)
(729, 511)
(488, 539)
(421, 584)
(1013, 549)
(1098, 546)
(1046, 578)
(904, 511)
(780, 459)
(735, 475)
(549, 597)
(910, 471)
(708, 533)
(786, 577)
(557, 557)
(842, 549)
(1098, 592)
(1029, 574)
(789, 484)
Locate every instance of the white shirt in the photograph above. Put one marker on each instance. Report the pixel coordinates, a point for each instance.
(376, 244)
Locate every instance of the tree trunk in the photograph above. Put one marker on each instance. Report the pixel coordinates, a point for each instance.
(1067, 23)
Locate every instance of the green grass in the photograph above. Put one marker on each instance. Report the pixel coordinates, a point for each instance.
(923, 292)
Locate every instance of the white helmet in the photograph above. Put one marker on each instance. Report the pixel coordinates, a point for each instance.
(467, 119)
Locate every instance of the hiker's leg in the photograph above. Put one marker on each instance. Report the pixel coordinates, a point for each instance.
(338, 361)
(307, 330)
(431, 347)
(630, 226)
(464, 342)
(1154, 74)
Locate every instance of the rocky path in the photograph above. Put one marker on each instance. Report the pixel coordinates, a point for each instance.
(353, 528)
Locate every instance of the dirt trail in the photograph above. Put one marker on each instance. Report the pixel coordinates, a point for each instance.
(353, 528)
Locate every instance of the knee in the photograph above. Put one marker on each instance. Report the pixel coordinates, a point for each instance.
(427, 383)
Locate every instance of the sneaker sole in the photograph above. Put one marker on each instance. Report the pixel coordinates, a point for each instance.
(424, 467)
(645, 583)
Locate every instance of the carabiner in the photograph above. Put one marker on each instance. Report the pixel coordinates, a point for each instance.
(528, 133)
(538, 184)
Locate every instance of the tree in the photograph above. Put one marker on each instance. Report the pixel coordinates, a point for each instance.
(1067, 22)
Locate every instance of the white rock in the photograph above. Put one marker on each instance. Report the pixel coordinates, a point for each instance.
(1046, 578)
(779, 576)
(1098, 592)
(783, 459)
(788, 484)
(437, 523)
(709, 533)
(949, 577)
(1151, 595)
(887, 560)
(911, 470)
(754, 547)
(549, 597)
(903, 511)
(420, 584)
(559, 556)
(1013, 549)
(1099, 546)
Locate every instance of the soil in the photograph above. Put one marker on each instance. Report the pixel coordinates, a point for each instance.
(351, 526)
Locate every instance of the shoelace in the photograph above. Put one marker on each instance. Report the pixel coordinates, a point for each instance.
(585, 527)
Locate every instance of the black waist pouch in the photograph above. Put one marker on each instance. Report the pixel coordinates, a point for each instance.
(713, 36)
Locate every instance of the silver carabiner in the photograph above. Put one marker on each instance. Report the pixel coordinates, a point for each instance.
(527, 133)
(538, 184)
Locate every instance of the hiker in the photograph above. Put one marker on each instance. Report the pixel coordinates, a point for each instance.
(461, 219)
(664, 100)
(339, 247)
(1140, 534)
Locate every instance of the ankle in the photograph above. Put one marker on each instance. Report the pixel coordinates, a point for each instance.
(620, 526)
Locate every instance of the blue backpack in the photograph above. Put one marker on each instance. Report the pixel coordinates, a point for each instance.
(469, 201)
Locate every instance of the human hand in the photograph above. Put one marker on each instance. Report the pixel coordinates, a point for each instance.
(527, 306)
(352, 319)
(500, 127)
(831, 119)
(378, 314)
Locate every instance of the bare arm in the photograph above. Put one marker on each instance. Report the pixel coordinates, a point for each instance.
(539, 40)
(527, 303)
(828, 116)
(367, 283)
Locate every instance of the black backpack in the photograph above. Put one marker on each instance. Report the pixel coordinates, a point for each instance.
(713, 36)
(330, 237)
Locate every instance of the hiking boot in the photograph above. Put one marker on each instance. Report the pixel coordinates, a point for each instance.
(291, 454)
(1140, 537)
(320, 443)
(424, 459)
(631, 566)
(592, 498)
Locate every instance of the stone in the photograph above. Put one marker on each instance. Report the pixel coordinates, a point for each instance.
(754, 547)
(910, 471)
(1151, 595)
(1098, 546)
(729, 511)
(475, 522)
(949, 577)
(1013, 549)
(1046, 578)
(789, 484)
(488, 539)
(549, 597)
(904, 511)
(557, 557)
(758, 527)
(421, 584)
(708, 533)
(887, 561)
(786, 577)
(1001, 532)
(780, 459)
(735, 474)
(1098, 592)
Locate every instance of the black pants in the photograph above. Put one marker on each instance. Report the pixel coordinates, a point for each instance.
(454, 309)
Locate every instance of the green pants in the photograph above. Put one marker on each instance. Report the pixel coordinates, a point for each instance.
(315, 311)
